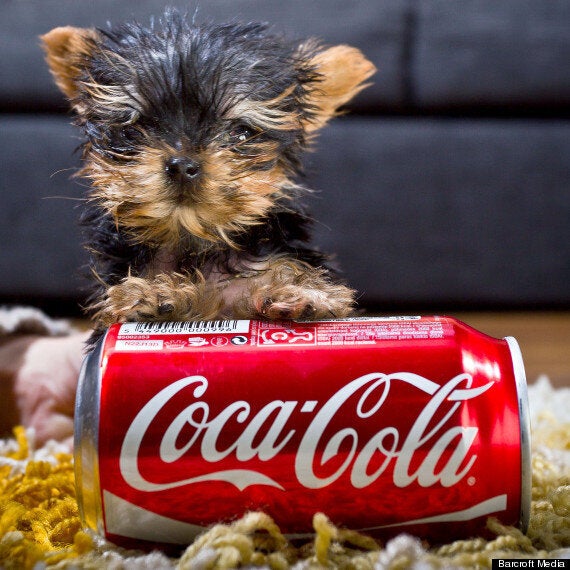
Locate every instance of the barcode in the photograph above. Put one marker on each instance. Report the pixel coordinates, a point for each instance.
(187, 327)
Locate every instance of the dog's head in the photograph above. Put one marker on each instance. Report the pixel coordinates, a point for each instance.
(196, 129)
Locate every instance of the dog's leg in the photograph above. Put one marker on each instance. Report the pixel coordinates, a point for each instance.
(164, 297)
(290, 289)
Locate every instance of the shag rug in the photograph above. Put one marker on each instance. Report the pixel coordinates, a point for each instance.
(40, 526)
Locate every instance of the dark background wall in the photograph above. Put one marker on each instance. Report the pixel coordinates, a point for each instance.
(446, 187)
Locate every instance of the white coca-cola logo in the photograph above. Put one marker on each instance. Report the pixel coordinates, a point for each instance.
(268, 431)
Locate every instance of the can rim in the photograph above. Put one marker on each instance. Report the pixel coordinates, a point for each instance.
(86, 440)
(525, 431)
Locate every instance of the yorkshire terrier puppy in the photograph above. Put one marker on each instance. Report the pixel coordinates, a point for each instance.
(194, 135)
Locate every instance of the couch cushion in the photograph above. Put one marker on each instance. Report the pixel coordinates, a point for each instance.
(454, 212)
(375, 27)
(492, 53)
(426, 212)
(41, 253)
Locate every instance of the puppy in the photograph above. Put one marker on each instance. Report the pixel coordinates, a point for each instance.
(194, 137)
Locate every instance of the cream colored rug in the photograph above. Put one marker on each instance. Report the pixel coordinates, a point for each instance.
(40, 527)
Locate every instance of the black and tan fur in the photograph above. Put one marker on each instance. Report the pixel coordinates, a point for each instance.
(194, 136)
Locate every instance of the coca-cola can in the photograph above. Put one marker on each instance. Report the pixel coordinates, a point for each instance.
(386, 425)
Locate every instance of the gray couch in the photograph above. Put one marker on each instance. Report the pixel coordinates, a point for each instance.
(447, 187)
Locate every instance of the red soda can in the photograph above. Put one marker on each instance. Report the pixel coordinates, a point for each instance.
(415, 424)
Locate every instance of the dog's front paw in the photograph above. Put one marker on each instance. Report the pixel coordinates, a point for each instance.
(298, 303)
(166, 297)
(133, 299)
(294, 305)
(293, 290)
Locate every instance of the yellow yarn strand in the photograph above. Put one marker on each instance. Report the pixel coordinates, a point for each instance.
(39, 520)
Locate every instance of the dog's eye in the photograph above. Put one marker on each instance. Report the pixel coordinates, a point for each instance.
(123, 141)
(129, 133)
(239, 134)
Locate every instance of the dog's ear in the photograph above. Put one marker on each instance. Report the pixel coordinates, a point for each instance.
(67, 52)
(342, 71)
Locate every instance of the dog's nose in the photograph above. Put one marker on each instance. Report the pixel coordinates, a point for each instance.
(182, 169)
